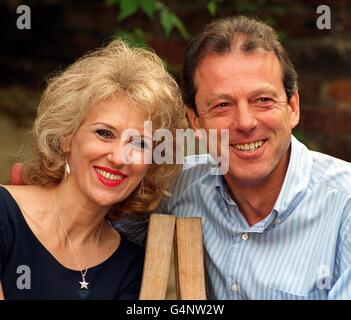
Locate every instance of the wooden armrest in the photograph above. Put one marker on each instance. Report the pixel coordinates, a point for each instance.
(189, 259)
(159, 244)
(186, 234)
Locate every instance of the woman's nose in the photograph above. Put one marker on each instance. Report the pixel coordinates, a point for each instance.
(118, 155)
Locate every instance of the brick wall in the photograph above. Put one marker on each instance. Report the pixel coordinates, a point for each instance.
(64, 30)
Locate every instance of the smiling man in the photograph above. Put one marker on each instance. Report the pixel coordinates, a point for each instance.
(277, 225)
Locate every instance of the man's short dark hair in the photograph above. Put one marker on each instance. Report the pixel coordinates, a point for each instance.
(226, 35)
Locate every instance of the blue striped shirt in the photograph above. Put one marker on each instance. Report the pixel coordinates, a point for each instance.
(301, 250)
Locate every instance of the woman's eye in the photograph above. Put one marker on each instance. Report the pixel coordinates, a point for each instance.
(103, 133)
(140, 144)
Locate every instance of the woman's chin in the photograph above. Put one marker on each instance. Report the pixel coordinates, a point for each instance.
(104, 200)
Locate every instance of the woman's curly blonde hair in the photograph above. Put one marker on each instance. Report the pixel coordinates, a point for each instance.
(98, 76)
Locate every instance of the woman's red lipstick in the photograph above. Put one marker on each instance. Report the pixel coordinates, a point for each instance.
(119, 178)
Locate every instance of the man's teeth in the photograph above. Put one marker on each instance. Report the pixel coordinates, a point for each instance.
(110, 176)
(249, 146)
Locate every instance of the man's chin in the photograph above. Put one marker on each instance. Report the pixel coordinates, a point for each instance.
(247, 176)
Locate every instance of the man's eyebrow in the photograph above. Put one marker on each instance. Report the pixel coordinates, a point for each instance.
(255, 92)
(213, 98)
(265, 90)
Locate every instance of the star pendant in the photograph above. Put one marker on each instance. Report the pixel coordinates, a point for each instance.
(83, 284)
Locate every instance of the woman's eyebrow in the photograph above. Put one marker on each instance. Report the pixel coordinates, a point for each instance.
(104, 124)
(117, 130)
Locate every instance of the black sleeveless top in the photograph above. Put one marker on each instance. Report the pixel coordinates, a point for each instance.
(29, 271)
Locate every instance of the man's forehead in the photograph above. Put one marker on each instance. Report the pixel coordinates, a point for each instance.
(236, 54)
(236, 63)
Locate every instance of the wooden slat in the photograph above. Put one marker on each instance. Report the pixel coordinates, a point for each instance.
(189, 259)
(157, 257)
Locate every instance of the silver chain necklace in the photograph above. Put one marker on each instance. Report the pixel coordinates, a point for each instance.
(83, 283)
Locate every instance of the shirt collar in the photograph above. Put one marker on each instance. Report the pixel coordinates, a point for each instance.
(296, 180)
(222, 188)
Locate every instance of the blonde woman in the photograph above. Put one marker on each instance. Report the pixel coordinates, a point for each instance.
(56, 239)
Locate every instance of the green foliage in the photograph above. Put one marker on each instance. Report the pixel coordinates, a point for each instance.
(164, 19)
(252, 8)
(128, 8)
(245, 7)
(135, 38)
(299, 135)
(212, 7)
(148, 7)
(168, 20)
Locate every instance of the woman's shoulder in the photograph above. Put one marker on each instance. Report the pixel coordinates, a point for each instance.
(8, 194)
(15, 192)
(26, 201)
(27, 197)
(11, 201)
(8, 217)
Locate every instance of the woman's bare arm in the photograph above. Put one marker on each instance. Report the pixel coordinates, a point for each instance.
(16, 174)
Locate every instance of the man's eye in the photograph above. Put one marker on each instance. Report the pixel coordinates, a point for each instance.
(264, 100)
(103, 133)
(222, 105)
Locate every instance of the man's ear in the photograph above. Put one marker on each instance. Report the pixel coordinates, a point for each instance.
(193, 118)
(294, 109)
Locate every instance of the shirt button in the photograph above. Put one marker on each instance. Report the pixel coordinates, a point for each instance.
(245, 236)
(235, 287)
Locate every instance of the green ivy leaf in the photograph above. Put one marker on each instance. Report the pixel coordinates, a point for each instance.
(134, 39)
(179, 25)
(159, 6)
(246, 7)
(128, 8)
(170, 20)
(212, 7)
(148, 7)
(166, 22)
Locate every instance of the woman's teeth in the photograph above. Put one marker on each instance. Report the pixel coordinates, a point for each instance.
(108, 175)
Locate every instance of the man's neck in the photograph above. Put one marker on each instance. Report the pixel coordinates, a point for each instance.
(256, 201)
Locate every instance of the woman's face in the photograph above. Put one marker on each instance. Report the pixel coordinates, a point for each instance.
(107, 154)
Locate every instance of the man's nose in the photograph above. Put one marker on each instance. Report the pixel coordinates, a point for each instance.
(244, 118)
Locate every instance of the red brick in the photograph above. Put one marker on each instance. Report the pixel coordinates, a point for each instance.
(340, 90)
(326, 120)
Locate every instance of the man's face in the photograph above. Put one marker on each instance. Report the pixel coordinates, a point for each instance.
(244, 92)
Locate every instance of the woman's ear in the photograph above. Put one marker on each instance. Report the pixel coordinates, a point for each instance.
(66, 145)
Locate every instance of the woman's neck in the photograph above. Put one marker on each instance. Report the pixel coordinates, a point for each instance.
(80, 216)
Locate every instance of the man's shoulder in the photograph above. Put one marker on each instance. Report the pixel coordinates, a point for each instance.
(196, 168)
(198, 171)
(199, 161)
(332, 171)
